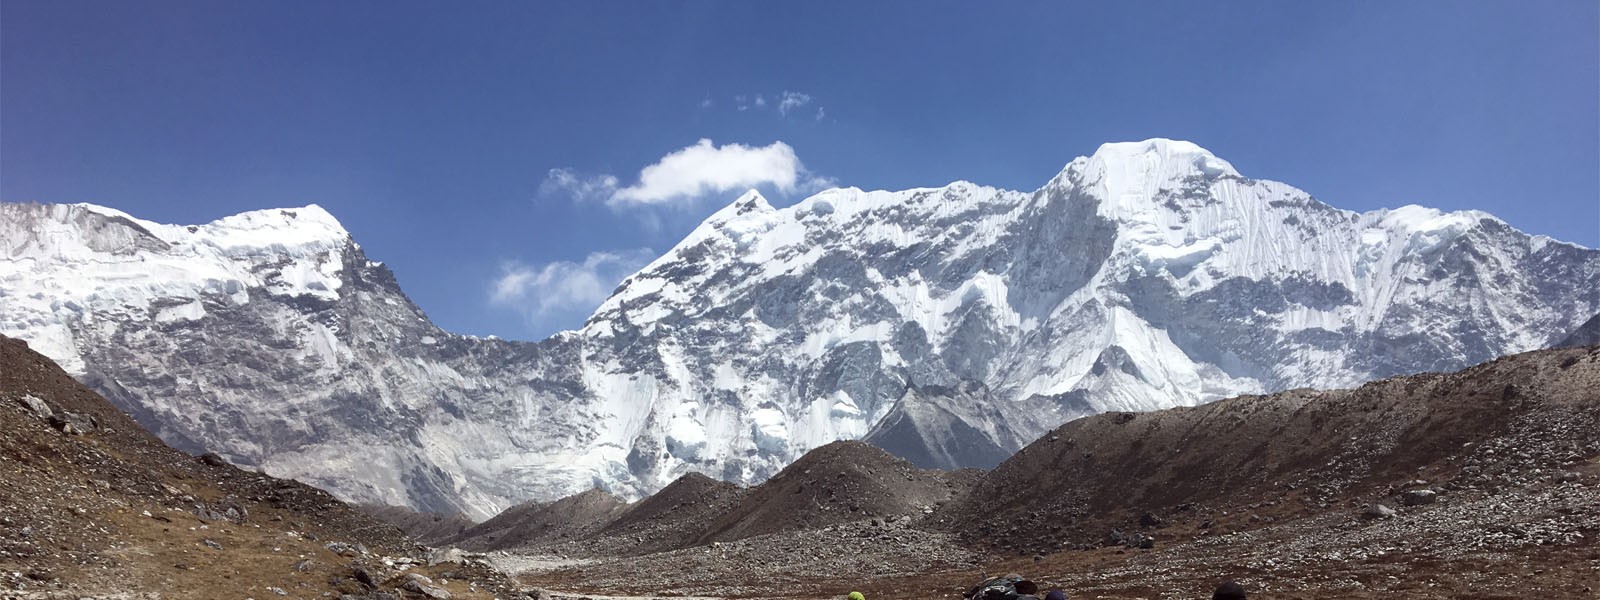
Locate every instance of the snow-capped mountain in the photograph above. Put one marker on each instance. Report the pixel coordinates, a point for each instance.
(951, 325)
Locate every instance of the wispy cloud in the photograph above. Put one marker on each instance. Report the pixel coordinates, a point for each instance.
(691, 173)
(584, 188)
(562, 291)
(789, 101)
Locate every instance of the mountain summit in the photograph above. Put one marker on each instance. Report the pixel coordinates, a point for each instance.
(949, 325)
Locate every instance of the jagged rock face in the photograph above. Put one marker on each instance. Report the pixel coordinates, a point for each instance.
(271, 339)
(952, 325)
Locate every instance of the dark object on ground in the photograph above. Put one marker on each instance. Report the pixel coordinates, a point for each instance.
(1229, 590)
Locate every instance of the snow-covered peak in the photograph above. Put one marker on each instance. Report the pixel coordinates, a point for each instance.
(747, 216)
(1423, 219)
(1177, 152)
(748, 203)
(306, 221)
(71, 261)
(1129, 176)
(307, 228)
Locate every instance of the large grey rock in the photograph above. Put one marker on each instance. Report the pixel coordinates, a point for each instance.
(36, 406)
(417, 586)
(1418, 497)
(72, 423)
(437, 556)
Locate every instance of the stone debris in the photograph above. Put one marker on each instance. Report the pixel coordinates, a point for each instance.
(1418, 497)
(1378, 511)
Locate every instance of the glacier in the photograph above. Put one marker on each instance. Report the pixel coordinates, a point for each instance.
(950, 325)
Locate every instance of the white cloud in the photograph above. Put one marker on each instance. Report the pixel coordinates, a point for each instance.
(564, 290)
(741, 102)
(580, 187)
(761, 101)
(706, 168)
(820, 114)
(691, 173)
(792, 100)
(705, 103)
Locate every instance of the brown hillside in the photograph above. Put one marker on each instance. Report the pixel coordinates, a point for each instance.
(429, 529)
(93, 505)
(533, 525)
(838, 483)
(1300, 452)
(675, 517)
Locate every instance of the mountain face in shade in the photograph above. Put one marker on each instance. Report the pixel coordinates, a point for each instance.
(948, 325)
(1587, 334)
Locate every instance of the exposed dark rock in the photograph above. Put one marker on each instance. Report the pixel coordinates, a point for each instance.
(73, 423)
(1418, 497)
(213, 459)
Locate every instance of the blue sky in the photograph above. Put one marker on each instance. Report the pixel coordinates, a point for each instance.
(468, 145)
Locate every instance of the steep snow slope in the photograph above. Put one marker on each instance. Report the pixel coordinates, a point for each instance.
(950, 325)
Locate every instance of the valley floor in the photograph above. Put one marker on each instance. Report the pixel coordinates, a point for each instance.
(1532, 537)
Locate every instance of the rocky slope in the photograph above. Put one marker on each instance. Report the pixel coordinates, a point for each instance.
(842, 482)
(1526, 421)
(92, 505)
(678, 516)
(950, 325)
(534, 524)
(428, 529)
(1483, 483)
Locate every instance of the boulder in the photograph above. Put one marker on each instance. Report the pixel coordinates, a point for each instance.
(213, 459)
(36, 406)
(416, 586)
(211, 514)
(367, 578)
(1151, 520)
(439, 556)
(1115, 537)
(1377, 511)
(1418, 497)
(73, 423)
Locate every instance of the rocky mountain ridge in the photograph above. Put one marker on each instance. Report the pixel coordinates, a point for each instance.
(1478, 483)
(950, 325)
(92, 505)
